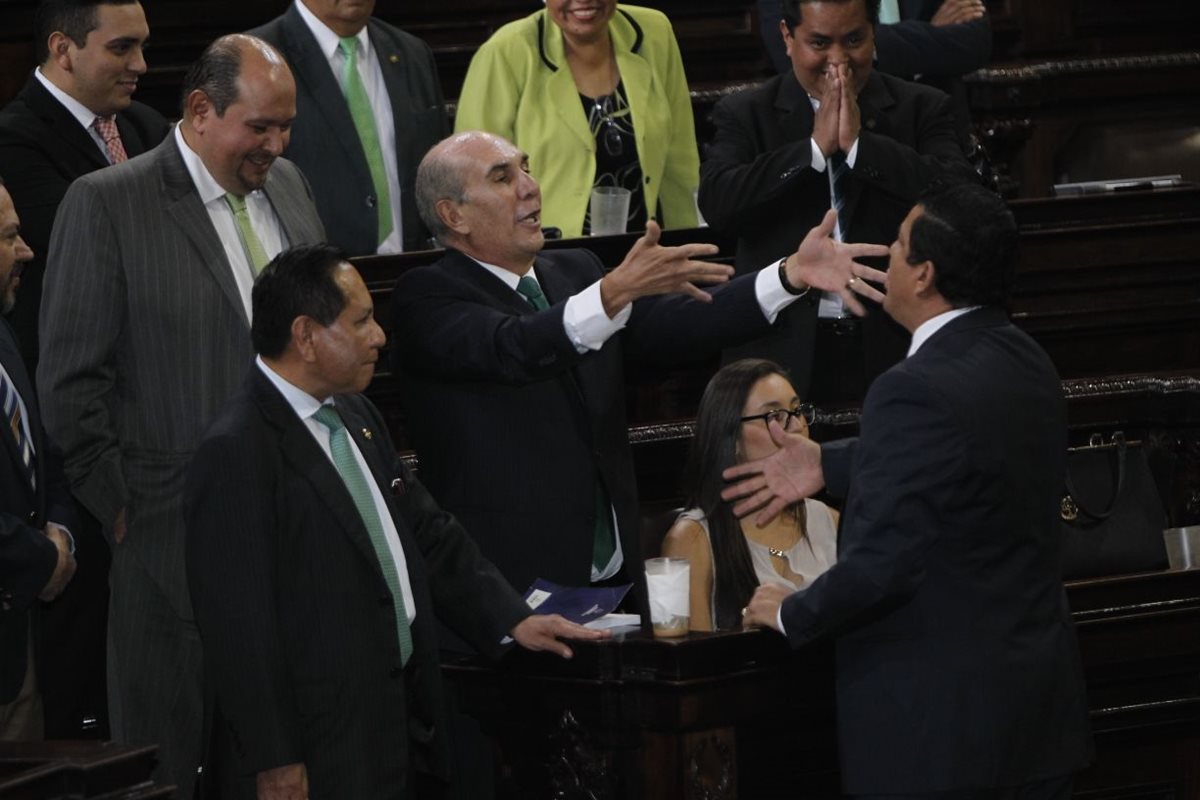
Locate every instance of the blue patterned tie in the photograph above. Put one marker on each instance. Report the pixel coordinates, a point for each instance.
(356, 484)
(12, 412)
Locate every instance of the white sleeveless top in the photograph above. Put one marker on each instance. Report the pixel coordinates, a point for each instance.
(813, 554)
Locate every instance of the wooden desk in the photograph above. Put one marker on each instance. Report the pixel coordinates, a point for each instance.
(737, 714)
(77, 770)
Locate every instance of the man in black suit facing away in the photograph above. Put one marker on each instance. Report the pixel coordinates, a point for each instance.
(316, 563)
(832, 132)
(359, 135)
(90, 59)
(510, 356)
(958, 670)
(36, 510)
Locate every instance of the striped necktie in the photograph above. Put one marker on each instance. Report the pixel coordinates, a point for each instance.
(839, 179)
(251, 244)
(356, 484)
(107, 128)
(12, 412)
(364, 122)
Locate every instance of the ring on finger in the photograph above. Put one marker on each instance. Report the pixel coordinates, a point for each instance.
(853, 280)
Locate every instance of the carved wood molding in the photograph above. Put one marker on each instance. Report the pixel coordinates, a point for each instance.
(1083, 66)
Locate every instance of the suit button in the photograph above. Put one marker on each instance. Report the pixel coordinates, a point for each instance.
(397, 672)
(32, 516)
(647, 179)
(370, 201)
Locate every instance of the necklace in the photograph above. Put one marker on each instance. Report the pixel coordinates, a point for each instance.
(777, 553)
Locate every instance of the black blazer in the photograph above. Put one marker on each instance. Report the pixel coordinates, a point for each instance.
(301, 653)
(757, 182)
(324, 142)
(957, 662)
(27, 557)
(513, 425)
(42, 149)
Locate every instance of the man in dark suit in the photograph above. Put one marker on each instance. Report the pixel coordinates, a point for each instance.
(90, 59)
(958, 671)
(145, 335)
(491, 378)
(36, 511)
(316, 563)
(361, 163)
(770, 175)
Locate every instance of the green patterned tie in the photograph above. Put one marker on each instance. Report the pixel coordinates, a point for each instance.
(364, 122)
(356, 484)
(603, 543)
(250, 241)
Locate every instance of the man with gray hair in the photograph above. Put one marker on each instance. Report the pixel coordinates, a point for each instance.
(145, 335)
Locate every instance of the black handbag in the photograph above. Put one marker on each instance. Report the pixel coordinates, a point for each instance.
(1112, 515)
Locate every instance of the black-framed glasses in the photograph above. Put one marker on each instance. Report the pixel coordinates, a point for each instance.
(784, 416)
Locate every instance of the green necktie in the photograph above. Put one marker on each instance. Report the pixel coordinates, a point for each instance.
(528, 288)
(364, 122)
(356, 484)
(889, 12)
(603, 544)
(250, 242)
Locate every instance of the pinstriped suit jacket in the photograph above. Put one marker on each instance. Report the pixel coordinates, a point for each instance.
(143, 339)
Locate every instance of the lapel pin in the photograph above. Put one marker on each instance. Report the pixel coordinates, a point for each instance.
(366, 432)
(871, 123)
(398, 487)
(393, 59)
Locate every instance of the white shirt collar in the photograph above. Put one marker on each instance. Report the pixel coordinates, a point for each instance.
(206, 185)
(78, 110)
(303, 403)
(508, 276)
(934, 324)
(327, 40)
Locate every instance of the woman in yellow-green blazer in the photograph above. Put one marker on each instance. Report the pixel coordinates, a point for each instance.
(596, 95)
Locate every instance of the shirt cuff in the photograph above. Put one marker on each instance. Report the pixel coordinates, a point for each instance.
(779, 619)
(586, 324)
(772, 297)
(818, 158)
(70, 537)
(852, 155)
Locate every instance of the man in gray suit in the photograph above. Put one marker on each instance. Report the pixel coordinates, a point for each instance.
(145, 335)
(361, 156)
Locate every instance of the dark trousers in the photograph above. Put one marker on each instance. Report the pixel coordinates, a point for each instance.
(839, 375)
(1050, 789)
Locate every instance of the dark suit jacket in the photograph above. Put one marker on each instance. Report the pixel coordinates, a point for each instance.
(42, 149)
(326, 146)
(513, 425)
(301, 653)
(957, 663)
(758, 182)
(27, 557)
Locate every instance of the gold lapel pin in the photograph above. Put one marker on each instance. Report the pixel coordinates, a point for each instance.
(394, 59)
(366, 432)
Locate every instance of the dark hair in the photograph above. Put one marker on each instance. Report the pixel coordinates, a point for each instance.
(75, 18)
(714, 448)
(791, 10)
(970, 236)
(216, 74)
(298, 282)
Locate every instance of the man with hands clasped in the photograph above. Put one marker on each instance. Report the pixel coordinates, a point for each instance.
(958, 671)
(830, 134)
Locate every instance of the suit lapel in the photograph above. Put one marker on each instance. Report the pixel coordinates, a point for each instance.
(291, 218)
(312, 69)
(874, 103)
(183, 204)
(301, 451)
(794, 110)
(15, 368)
(466, 269)
(64, 126)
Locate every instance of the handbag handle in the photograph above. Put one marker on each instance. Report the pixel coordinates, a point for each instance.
(1118, 441)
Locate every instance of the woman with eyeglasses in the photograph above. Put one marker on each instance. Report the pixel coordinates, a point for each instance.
(595, 93)
(730, 557)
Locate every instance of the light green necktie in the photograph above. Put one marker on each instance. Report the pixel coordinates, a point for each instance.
(364, 122)
(356, 484)
(603, 542)
(250, 241)
(889, 12)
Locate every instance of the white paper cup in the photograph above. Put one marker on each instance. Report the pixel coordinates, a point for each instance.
(667, 582)
(608, 210)
(1183, 547)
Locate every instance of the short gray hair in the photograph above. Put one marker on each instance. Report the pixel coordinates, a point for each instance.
(439, 177)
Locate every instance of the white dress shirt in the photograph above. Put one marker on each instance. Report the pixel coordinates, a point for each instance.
(78, 110)
(934, 324)
(262, 217)
(831, 305)
(381, 104)
(305, 405)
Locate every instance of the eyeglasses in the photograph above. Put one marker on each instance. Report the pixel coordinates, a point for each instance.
(784, 416)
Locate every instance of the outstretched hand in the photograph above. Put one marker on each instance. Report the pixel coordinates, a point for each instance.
(771, 484)
(956, 12)
(828, 265)
(544, 632)
(650, 269)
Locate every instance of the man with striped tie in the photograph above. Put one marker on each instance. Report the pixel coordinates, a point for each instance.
(832, 133)
(36, 549)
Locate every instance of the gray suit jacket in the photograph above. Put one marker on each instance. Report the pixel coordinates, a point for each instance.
(143, 338)
(326, 146)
